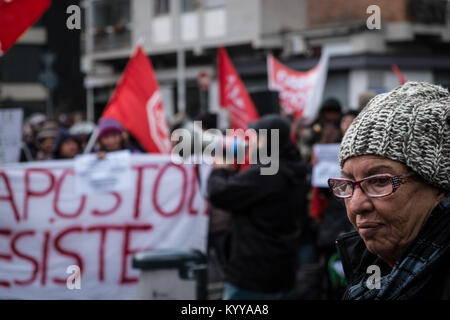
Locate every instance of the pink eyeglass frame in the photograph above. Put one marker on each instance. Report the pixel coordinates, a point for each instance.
(396, 181)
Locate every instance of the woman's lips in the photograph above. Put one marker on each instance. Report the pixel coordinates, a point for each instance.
(368, 228)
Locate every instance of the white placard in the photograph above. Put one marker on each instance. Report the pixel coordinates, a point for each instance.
(327, 165)
(10, 134)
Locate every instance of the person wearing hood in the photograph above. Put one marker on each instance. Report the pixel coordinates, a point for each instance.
(266, 216)
(67, 146)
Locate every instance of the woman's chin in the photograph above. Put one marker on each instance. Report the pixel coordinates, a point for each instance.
(374, 246)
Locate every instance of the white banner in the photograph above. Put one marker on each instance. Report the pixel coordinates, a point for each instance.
(45, 227)
(10, 134)
(112, 173)
(300, 92)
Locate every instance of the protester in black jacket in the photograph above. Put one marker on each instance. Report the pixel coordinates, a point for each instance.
(266, 214)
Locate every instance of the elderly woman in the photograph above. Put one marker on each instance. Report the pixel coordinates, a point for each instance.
(395, 161)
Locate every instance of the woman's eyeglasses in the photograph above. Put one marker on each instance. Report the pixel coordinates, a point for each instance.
(377, 186)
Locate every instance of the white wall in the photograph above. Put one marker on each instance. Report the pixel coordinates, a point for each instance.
(215, 23)
(190, 26)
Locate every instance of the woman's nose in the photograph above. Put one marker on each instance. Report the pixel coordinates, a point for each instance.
(359, 203)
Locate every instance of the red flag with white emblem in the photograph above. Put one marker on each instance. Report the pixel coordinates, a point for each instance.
(233, 94)
(136, 103)
(16, 16)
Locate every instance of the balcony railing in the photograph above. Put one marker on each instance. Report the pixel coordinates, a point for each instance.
(112, 37)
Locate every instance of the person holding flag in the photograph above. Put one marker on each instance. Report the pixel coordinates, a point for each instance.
(111, 137)
(137, 106)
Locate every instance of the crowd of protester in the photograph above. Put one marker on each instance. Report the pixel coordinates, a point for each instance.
(251, 220)
(321, 218)
(263, 265)
(66, 137)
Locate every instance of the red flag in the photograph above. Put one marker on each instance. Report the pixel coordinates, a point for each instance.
(300, 92)
(136, 104)
(16, 16)
(233, 94)
(401, 78)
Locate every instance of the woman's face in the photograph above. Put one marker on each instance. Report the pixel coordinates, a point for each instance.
(69, 149)
(47, 145)
(112, 141)
(388, 224)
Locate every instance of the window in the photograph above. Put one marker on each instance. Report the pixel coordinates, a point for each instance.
(111, 20)
(12, 68)
(190, 5)
(111, 13)
(428, 11)
(162, 7)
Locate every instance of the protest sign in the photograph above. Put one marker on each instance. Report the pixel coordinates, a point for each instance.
(10, 134)
(113, 173)
(327, 165)
(46, 228)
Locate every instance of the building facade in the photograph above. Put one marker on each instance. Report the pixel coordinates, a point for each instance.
(41, 72)
(413, 34)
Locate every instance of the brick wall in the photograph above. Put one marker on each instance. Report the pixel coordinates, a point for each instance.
(337, 12)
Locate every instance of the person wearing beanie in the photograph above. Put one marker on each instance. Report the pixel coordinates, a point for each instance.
(265, 218)
(395, 161)
(112, 137)
(67, 146)
(46, 139)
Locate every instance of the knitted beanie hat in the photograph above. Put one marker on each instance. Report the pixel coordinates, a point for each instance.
(410, 124)
(107, 126)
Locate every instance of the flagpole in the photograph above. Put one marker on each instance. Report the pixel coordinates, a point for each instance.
(91, 143)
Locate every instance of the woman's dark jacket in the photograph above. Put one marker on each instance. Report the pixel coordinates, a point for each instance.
(422, 272)
(265, 219)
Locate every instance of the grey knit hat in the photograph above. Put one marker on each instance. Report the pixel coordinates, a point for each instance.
(410, 124)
